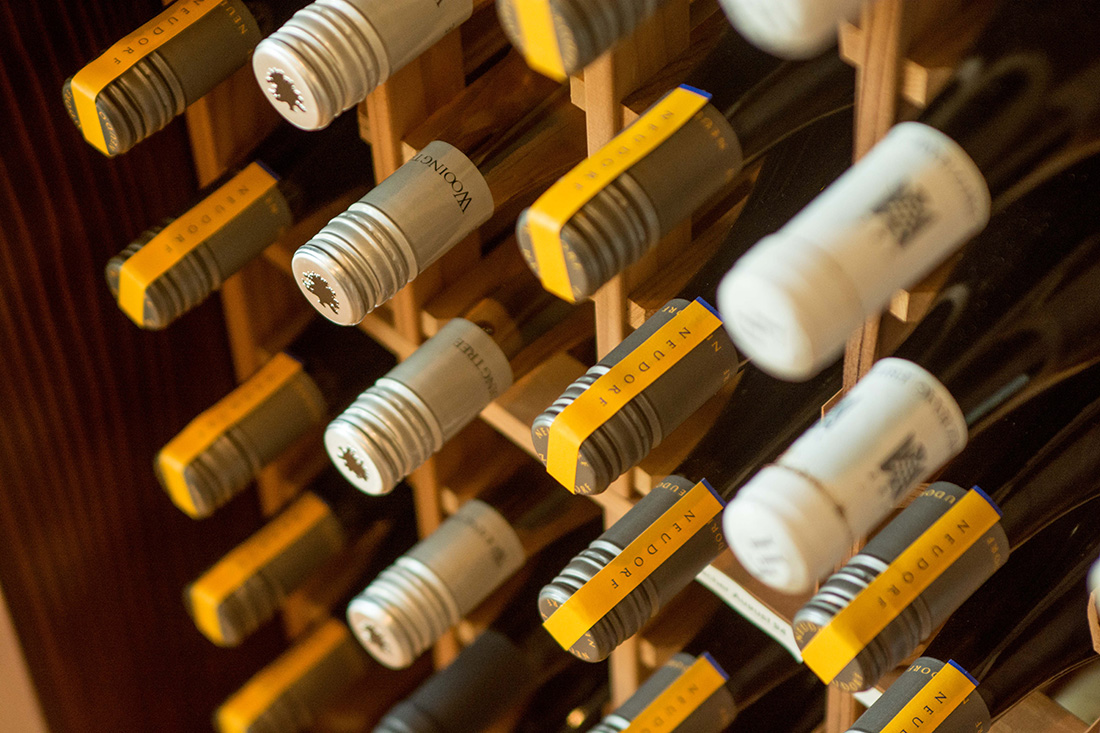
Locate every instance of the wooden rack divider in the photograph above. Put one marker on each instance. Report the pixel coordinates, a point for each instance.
(904, 51)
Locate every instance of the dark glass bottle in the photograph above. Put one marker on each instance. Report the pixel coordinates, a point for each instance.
(146, 79)
(506, 666)
(1015, 318)
(795, 706)
(426, 591)
(222, 450)
(1013, 105)
(628, 215)
(174, 266)
(791, 175)
(248, 585)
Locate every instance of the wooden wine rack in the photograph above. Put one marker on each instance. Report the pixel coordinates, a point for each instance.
(904, 52)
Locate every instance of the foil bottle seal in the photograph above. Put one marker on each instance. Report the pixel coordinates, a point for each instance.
(627, 218)
(631, 613)
(793, 521)
(287, 694)
(363, 256)
(631, 433)
(332, 53)
(794, 298)
(902, 636)
(583, 29)
(407, 415)
(159, 86)
(713, 715)
(229, 462)
(971, 715)
(201, 270)
(430, 588)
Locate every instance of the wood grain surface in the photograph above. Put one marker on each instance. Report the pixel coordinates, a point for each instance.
(93, 556)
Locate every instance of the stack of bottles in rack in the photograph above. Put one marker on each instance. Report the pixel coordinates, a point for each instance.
(980, 418)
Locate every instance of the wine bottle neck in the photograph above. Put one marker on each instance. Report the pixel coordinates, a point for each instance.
(793, 96)
(1043, 340)
(1056, 643)
(1062, 475)
(1019, 96)
(754, 663)
(791, 176)
(739, 444)
(271, 14)
(517, 314)
(342, 361)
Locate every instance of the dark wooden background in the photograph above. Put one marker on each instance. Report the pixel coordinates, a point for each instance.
(93, 556)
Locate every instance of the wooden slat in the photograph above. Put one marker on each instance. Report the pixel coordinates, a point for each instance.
(1037, 713)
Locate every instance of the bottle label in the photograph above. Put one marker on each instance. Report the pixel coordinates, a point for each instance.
(929, 696)
(472, 553)
(737, 597)
(539, 38)
(680, 699)
(409, 28)
(434, 200)
(306, 526)
(121, 57)
(281, 372)
(569, 622)
(896, 426)
(897, 213)
(249, 207)
(549, 214)
(833, 647)
(318, 655)
(670, 343)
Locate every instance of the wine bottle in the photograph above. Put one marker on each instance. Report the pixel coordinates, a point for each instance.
(791, 29)
(561, 38)
(1022, 629)
(431, 587)
(176, 265)
(222, 450)
(407, 415)
(618, 203)
(726, 667)
(795, 706)
(573, 700)
(146, 79)
(291, 692)
(506, 665)
(760, 419)
(362, 257)
(1051, 481)
(332, 53)
(246, 587)
(667, 395)
(1013, 104)
(1015, 318)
